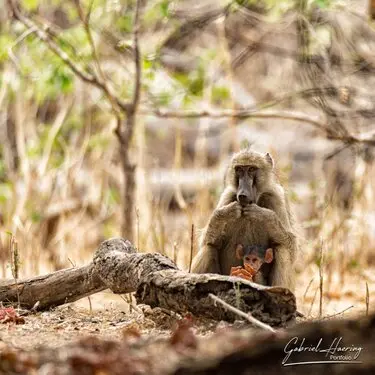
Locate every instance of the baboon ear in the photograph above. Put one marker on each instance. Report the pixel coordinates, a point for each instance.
(268, 257)
(269, 159)
(239, 251)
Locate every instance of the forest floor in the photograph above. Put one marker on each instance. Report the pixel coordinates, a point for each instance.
(109, 316)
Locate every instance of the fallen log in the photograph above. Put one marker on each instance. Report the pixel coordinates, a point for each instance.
(157, 282)
(54, 289)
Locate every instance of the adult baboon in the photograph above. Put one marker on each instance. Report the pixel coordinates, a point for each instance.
(253, 209)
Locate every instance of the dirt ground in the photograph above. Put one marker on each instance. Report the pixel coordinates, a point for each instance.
(106, 315)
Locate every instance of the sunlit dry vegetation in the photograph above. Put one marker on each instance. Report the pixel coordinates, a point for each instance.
(88, 101)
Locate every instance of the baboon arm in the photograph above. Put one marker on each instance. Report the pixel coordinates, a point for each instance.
(277, 205)
(283, 237)
(260, 279)
(206, 261)
(283, 272)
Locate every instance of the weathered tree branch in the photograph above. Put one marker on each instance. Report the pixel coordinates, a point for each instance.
(156, 281)
(54, 289)
(268, 114)
(241, 114)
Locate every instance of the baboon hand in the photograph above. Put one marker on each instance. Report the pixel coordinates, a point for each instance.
(255, 210)
(241, 272)
(230, 211)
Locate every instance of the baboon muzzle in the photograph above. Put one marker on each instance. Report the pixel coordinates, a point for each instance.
(246, 193)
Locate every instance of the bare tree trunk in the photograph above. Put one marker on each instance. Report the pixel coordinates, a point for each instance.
(129, 200)
(10, 146)
(124, 134)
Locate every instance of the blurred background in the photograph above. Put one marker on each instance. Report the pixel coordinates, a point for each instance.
(113, 124)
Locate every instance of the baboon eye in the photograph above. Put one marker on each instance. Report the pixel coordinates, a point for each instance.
(238, 170)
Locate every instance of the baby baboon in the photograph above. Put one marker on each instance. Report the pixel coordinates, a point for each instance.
(256, 262)
(253, 209)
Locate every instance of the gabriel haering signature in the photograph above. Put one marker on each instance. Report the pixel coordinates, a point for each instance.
(334, 352)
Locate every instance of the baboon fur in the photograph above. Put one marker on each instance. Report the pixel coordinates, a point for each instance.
(269, 222)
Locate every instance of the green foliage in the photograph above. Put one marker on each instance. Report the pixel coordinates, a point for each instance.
(192, 82)
(164, 8)
(77, 37)
(61, 80)
(6, 192)
(36, 217)
(5, 43)
(99, 141)
(294, 198)
(2, 164)
(245, 143)
(113, 196)
(149, 65)
(322, 3)
(220, 94)
(34, 151)
(2, 169)
(30, 5)
(124, 23)
(353, 264)
(156, 12)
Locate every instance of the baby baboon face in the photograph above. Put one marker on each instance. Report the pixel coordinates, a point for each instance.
(246, 184)
(254, 257)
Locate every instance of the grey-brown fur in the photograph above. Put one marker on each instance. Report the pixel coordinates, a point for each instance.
(267, 223)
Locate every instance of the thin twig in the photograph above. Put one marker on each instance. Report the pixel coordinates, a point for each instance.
(339, 313)
(248, 317)
(131, 306)
(307, 289)
(138, 233)
(367, 299)
(191, 247)
(23, 36)
(313, 301)
(72, 263)
(90, 304)
(321, 280)
(175, 251)
(85, 19)
(15, 262)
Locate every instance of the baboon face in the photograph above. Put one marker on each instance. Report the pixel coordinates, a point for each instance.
(246, 184)
(249, 174)
(254, 257)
